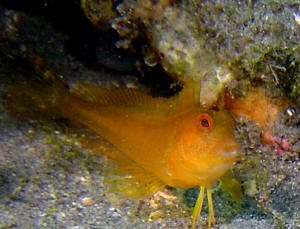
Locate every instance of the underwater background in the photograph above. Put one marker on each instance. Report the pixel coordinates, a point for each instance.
(49, 178)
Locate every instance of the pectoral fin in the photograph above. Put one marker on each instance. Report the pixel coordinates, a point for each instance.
(231, 185)
(130, 179)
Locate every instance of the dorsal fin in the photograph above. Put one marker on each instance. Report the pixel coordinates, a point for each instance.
(133, 98)
(112, 96)
(189, 95)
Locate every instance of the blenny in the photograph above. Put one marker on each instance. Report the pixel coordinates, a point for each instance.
(161, 141)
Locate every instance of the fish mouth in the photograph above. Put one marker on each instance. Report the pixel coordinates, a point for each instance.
(229, 154)
(221, 167)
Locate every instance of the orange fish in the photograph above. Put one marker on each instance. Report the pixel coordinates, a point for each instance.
(161, 142)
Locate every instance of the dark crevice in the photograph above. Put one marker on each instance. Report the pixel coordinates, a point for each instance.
(94, 48)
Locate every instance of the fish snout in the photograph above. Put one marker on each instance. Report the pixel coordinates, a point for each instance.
(230, 150)
(232, 153)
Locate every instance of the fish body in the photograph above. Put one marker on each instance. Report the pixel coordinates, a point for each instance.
(171, 148)
(155, 134)
(161, 142)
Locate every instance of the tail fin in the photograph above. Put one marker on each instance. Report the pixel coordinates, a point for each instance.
(37, 97)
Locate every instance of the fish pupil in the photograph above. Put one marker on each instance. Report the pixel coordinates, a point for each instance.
(204, 123)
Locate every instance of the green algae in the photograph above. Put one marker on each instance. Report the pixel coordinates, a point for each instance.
(282, 69)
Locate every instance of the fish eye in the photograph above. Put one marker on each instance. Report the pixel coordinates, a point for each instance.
(204, 122)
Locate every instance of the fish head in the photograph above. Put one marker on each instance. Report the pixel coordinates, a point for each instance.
(205, 147)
